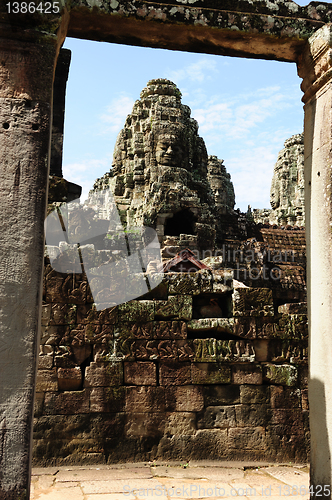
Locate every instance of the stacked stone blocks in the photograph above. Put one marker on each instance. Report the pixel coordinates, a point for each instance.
(150, 379)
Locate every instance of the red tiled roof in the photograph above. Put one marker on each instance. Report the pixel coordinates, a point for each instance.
(184, 255)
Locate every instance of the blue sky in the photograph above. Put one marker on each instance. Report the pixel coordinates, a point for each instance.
(245, 109)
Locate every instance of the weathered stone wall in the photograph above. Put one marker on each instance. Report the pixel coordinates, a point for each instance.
(274, 258)
(157, 378)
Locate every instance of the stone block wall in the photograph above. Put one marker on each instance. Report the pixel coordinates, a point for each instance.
(153, 379)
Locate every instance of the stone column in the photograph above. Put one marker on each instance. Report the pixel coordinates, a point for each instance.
(59, 98)
(26, 79)
(315, 67)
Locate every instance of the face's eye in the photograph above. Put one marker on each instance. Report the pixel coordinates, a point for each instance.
(162, 146)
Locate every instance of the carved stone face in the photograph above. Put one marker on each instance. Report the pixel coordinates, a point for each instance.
(220, 195)
(218, 188)
(274, 194)
(287, 187)
(169, 151)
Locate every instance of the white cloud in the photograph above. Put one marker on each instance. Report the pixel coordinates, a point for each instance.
(267, 91)
(195, 72)
(236, 120)
(214, 116)
(116, 113)
(247, 134)
(251, 172)
(82, 173)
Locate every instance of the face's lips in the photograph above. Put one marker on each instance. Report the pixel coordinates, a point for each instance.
(167, 157)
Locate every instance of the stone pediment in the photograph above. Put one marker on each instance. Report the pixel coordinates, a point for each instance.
(187, 259)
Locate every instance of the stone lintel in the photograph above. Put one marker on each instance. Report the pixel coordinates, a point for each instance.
(244, 29)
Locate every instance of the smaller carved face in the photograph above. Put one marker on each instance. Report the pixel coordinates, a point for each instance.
(220, 196)
(169, 151)
(274, 196)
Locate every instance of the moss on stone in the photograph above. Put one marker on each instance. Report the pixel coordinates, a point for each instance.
(281, 374)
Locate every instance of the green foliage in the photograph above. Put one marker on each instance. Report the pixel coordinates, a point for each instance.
(196, 175)
(119, 235)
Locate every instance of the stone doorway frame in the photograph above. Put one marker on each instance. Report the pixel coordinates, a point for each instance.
(28, 54)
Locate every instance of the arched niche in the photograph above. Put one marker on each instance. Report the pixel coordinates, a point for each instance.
(182, 222)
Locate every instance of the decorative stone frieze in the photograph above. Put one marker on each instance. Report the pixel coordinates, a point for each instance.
(160, 363)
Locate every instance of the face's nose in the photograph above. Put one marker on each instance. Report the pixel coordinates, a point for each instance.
(169, 149)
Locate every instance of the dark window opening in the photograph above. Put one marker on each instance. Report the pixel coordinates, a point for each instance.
(299, 307)
(181, 223)
(212, 306)
(83, 366)
(69, 381)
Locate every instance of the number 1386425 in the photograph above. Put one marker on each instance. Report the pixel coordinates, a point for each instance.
(32, 7)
